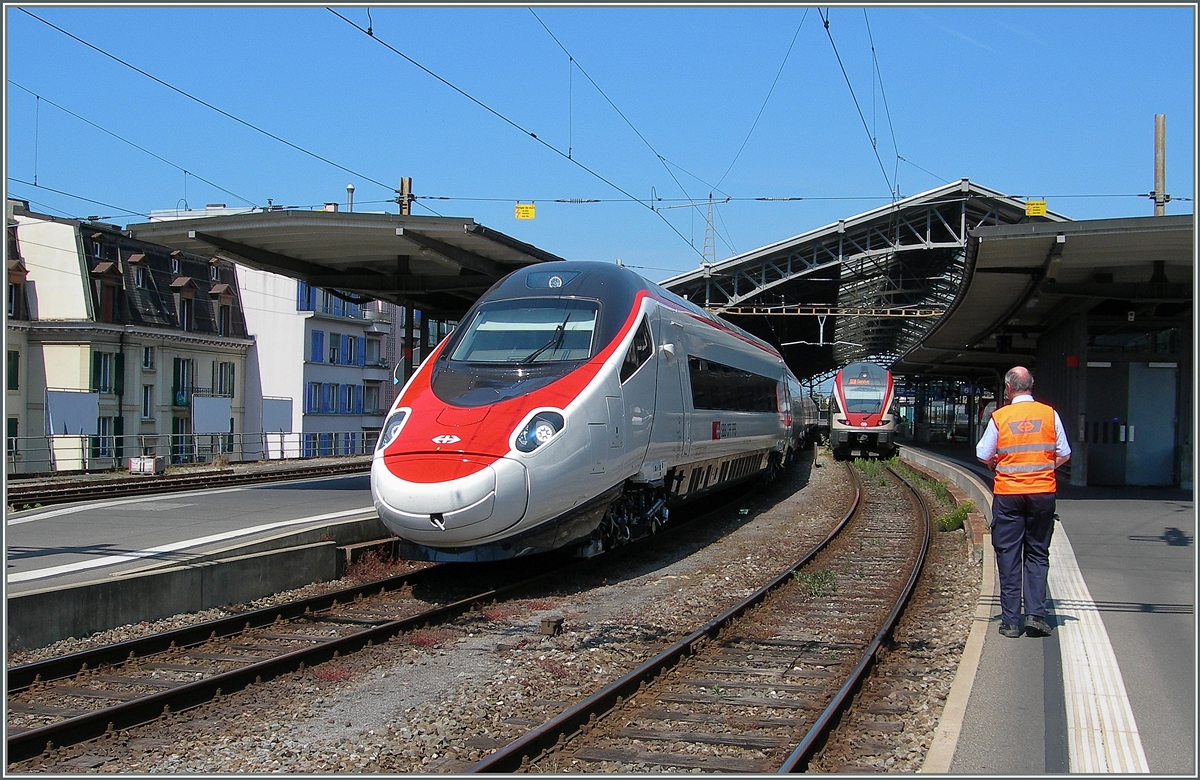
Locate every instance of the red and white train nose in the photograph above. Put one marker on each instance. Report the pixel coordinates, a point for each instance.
(449, 499)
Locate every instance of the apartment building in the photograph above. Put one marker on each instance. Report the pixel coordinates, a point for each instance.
(117, 347)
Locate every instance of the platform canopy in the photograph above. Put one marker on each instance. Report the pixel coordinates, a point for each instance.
(440, 265)
(869, 287)
(1022, 281)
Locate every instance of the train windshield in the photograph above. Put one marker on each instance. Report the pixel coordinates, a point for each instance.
(864, 386)
(529, 331)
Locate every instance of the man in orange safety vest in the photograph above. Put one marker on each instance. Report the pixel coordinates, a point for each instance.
(1024, 443)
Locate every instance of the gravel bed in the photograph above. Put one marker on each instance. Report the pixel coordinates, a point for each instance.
(438, 699)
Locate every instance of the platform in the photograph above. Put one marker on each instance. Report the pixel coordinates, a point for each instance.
(1112, 690)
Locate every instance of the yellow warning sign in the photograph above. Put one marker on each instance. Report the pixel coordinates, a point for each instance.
(1035, 208)
(523, 211)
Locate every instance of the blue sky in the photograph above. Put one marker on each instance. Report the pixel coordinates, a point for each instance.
(627, 103)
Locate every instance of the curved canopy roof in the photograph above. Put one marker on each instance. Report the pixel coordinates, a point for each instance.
(1024, 280)
(868, 287)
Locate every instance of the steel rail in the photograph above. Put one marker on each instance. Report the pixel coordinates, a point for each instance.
(545, 737)
(798, 760)
(147, 485)
(20, 677)
(29, 744)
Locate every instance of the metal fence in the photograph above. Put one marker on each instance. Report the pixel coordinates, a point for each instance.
(29, 454)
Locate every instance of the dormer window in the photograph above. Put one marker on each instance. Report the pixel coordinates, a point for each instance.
(107, 282)
(185, 290)
(222, 296)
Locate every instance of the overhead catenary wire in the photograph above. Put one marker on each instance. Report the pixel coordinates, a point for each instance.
(511, 123)
(80, 197)
(766, 100)
(206, 104)
(662, 159)
(127, 141)
(874, 146)
(886, 110)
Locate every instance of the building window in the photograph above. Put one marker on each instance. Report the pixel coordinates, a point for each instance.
(12, 436)
(224, 319)
(147, 402)
(223, 379)
(174, 265)
(14, 370)
(371, 399)
(97, 249)
(372, 352)
(14, 300)
(213, 272)
(185, 313)
(102, 363)
(139, 276)
(108, 301)
(147, 357)
(334, 348)
(102, 444)
(312, 399)
(351, 351)
(181, 387)
(318, 346)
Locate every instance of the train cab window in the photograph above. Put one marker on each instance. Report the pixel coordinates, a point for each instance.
(639, 351)
(529, 331)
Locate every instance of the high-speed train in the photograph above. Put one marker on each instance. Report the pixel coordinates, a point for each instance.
(862, 412)
(574, 405)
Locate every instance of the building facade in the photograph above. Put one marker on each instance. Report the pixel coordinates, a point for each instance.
(319, 369)
(153, 340)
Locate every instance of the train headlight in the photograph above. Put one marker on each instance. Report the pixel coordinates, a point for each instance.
(391, 429)
(540, 429)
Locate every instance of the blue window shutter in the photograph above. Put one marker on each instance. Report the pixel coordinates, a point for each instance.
(318, 346)
(324, 398)
(358, 396)
(361, 352)
(301, 295)
(341, 394)
(345, 354)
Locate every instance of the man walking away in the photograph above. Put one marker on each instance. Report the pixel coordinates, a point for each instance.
(1024, 443)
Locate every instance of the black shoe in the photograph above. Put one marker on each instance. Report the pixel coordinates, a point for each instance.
(1010, 631)
(1036, 626)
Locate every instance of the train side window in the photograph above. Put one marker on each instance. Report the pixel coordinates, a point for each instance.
(639, 351)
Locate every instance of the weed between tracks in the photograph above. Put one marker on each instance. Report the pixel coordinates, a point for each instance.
(330, 672)
(372, 566)
(817, 583)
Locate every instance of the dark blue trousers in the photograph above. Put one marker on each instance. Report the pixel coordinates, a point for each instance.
(1021, 530)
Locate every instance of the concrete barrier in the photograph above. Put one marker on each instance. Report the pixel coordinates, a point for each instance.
(240, 572)
(963, 485)
(39, 618)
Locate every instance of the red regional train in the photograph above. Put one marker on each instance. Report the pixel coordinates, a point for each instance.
(574, 405)
(862, 412)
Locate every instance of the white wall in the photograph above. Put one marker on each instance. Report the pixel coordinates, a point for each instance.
(55, 286)
(269, 305)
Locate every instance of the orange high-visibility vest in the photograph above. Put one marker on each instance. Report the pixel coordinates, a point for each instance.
(1024, 449)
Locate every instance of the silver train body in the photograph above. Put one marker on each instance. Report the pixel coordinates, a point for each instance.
(573, 407)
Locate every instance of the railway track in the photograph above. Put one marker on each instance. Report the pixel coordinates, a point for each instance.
(75, 698)
(23, 496)
(71, 699)
(757, 688)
